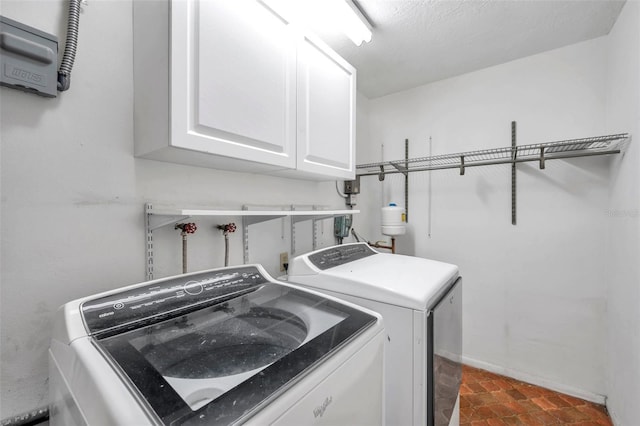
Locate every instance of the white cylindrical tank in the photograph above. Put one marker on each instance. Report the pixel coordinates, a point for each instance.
(393, 220)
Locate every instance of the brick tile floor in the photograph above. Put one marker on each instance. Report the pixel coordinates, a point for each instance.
(488, 399)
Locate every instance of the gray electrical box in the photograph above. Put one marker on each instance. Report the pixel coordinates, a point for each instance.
(352, 186)
(28, 58)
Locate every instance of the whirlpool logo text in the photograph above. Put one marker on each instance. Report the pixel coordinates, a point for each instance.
(319, 411)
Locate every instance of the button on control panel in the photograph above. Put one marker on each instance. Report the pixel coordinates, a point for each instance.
(193, 288)
(336, 256)
(171, 295)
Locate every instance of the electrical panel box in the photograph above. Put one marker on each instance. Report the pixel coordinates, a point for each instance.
(28, 58)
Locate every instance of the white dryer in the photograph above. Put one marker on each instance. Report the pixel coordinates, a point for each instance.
(224, 346)
(421, 303)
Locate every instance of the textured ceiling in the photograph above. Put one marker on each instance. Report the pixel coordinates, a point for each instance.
(416, 42)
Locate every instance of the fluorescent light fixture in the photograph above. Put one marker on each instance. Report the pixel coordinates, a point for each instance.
(336, 15)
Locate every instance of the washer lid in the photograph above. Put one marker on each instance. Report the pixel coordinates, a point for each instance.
(217, 363)
(359, 271)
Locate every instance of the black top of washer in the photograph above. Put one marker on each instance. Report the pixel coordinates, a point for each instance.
(209, 348)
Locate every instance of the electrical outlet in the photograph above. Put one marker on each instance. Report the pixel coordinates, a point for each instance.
(284, 258)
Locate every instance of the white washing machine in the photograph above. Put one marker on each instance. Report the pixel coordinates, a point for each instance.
(224, 346)
(421, 303)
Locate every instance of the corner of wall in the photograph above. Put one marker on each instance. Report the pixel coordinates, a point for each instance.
(623, 216)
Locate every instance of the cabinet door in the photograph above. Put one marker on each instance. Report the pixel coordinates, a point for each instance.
(233, 81)
(326, 111)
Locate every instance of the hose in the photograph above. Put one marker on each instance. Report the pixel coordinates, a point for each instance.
(356, 236)
(185, 228)
(226, 230)
(184, 253)
(71, 45)
(226, 249)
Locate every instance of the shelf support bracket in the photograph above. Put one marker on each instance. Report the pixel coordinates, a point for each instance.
(252, 220)
(514, 155)
(314, 230)
(406, 181)
(542, 165)
(404, 169)
(245, 240)
(293, 233)
(149, 242)
(152, 222)
(461, 165)
(399, 167)
(381, 174)
(245, 237)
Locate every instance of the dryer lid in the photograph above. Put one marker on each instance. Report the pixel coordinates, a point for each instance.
(357, 270)
(214, 365)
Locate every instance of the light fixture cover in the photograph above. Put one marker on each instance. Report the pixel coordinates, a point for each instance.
(337, 15)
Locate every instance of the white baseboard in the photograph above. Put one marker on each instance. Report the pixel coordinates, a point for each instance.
(614, 418)
(535, 380)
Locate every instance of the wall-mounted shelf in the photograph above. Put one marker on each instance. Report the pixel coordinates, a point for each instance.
(164, 217)
(160, 217)
(541, 152)
(599, 145)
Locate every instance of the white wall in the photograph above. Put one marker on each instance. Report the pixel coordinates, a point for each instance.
(535, 293)
(72, 202)
(362, 221)
(73, 195)
(623, 270)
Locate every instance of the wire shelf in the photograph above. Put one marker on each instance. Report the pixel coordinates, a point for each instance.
(599, 145)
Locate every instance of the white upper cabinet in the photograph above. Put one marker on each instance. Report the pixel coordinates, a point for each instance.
(233, 81)
(228, 84)
(326, 111)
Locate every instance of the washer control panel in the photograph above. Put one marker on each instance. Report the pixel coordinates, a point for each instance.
(168, 296)
(339, 255)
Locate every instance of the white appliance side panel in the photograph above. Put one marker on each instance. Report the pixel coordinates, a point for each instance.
(447, 353)
(347, 389)
(421, 373)
(400, 346)
(399, 357)
(101, 395)
(63, 408)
